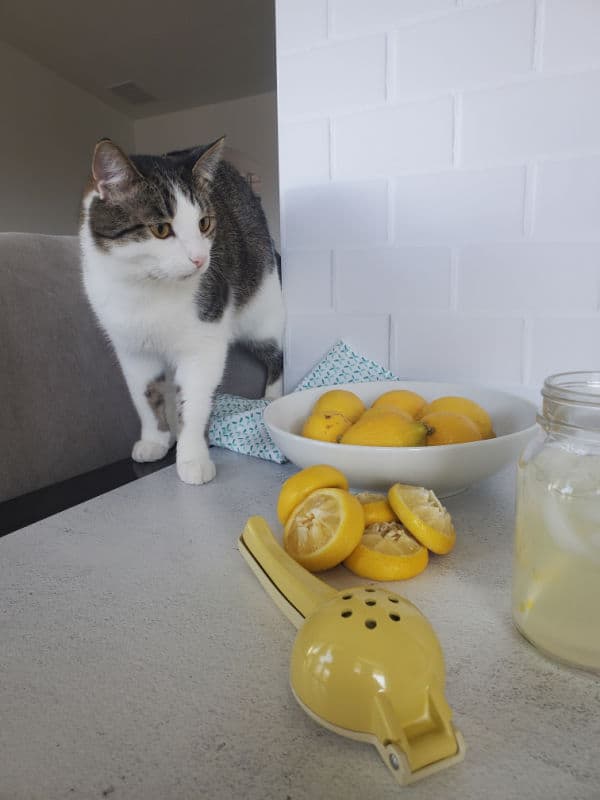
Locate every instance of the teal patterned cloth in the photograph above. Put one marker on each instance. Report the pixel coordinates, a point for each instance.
(237, 422)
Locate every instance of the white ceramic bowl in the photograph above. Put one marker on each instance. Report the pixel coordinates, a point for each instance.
(446, 469)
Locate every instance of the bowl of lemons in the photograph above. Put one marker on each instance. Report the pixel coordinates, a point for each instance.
(446, 436)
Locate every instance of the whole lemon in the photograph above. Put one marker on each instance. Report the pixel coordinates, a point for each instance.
(466, 407)
(340, 401)
(387, 429)
(445, 427)
(325, 427)
(401, 400)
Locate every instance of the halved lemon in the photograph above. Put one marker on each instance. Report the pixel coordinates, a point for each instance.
(296, 488)
(387, 553)
(324, 529)
(424, 516)
(376, 507)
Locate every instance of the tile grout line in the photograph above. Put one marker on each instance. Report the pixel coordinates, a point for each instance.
(391, 349)
(390, 68)
(333, 280)
(539, 29)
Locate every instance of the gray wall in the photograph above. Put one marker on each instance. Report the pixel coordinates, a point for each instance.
(250, 124)
(47, 132)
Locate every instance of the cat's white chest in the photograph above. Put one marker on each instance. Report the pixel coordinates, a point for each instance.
(147, 317)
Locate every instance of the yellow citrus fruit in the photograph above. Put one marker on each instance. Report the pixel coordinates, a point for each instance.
(387, 553)
(401, 400)
(326, 427)
(386, 429)
(445, 427)
(340, 401)
(324, 529)
(466, 407)
(421, 513)
(376, 507)
(374, 412)
(297, 487)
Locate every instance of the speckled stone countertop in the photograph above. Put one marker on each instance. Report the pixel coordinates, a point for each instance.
(140, 659)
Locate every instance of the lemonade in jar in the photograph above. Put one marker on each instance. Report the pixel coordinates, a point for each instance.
(556, 575)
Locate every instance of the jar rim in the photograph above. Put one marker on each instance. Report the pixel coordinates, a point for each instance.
(581, 388)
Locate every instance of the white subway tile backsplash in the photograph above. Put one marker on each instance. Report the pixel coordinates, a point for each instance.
(539, 117)
(563, 344)
(307, 280)
(304, 152)
(456, 347)
(541, 278)
(393, 279)
(366, 333)
(386, 141)
(571, 34)
(456, 206)
(440, 166)
(301, 24)
(344, 75)
(343, 214)
(465, 48)
(356, 16)
(568, 200)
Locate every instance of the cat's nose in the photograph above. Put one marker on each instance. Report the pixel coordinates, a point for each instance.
(198, 261)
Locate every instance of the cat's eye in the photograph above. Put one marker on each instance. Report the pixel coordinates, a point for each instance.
(162, 231)
(205, 224)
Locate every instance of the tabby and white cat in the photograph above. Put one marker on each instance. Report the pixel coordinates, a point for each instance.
(177, 264)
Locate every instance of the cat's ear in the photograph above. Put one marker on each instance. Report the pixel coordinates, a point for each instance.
(113, 173)
(205, 168)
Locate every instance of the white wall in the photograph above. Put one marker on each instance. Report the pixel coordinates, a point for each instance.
(250, 125)
(48, 129)
(440, 184)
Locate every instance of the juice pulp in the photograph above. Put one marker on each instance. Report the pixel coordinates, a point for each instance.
(556, 576)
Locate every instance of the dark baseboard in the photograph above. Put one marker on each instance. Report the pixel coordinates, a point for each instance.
(32, 507)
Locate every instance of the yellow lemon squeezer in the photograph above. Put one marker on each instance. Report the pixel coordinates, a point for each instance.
(365, 663)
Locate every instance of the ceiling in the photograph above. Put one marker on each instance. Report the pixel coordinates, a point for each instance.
(183, 52)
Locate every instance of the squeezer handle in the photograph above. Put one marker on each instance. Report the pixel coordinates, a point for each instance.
(295, 591)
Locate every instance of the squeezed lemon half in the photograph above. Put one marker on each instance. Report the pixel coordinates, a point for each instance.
(296, 488)
(376, 507)
(424, 516)
(387, 553)
(324, 529)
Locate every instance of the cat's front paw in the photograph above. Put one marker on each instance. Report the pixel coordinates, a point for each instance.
(196, 472)
(145, 450)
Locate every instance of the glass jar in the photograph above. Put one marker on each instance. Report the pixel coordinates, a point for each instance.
(556, 575)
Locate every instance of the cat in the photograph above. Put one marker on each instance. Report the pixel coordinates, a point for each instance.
(177, 264)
